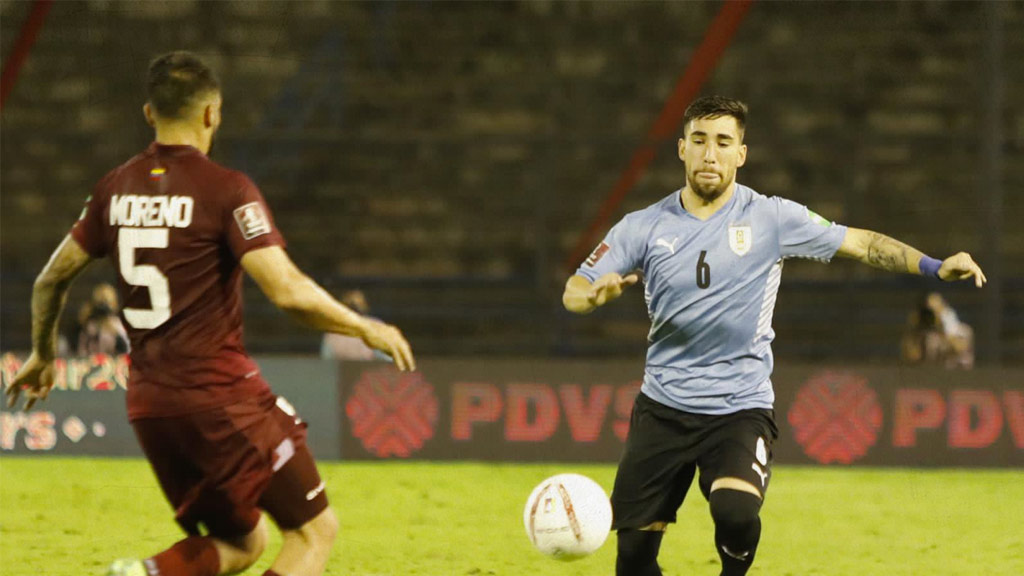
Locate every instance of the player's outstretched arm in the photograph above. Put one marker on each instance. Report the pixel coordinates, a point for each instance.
(297, 294)
(49, 294)
(887, 253)
(582, 297)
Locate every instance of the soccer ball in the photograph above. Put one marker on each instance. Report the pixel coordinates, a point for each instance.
(567, 516)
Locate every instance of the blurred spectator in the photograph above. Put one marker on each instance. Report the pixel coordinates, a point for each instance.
(101, 331)
(342, 347)
(935, 335)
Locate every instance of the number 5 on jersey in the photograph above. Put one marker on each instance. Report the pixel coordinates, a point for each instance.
(144, 275)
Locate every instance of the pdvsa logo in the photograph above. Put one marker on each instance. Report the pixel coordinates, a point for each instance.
(836, 417)
(392, 413)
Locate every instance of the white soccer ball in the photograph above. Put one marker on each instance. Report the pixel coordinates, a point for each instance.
(567, 516)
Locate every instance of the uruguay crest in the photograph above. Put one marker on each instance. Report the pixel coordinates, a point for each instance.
(740, 239)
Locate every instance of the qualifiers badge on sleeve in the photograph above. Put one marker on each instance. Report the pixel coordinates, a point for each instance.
(817, 219)
(251, 220)
(596, 255)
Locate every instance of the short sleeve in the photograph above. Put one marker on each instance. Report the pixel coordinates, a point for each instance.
(804, 234)
(621, 251)
(88, 231)
(250, 224)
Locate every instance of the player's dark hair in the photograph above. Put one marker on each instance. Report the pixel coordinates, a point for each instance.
(176, 80)
(716, 107)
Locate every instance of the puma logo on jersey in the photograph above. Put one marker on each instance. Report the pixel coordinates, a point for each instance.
(315, 491)
(671, 247)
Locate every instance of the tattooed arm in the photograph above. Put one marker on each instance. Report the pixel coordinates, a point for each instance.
(49, 293)
(881, 251)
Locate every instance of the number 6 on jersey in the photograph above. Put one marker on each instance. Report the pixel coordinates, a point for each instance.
(703, 271)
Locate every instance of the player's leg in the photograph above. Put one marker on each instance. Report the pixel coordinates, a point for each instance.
(200, 556)
(237, 554)
(305, 550)
(237, 536)
(650, 485)
(637, 553)
(734, 478)
(736, 513)
(207, 555)
(235, 528)
(296, 499)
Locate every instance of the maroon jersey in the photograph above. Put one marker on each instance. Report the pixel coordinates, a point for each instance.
(176, 226)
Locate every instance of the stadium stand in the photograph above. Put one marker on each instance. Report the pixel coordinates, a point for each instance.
(445, 157)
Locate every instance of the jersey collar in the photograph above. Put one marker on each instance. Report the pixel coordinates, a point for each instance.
(172, 150)
(677, 203)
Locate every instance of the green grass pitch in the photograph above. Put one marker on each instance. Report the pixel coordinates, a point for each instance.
(73, 516)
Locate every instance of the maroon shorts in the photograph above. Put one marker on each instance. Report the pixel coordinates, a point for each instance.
(219, 467)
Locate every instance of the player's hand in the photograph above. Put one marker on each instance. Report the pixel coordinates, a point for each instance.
(609, 287)
(35, 378)
(389, 340)
(961, 266)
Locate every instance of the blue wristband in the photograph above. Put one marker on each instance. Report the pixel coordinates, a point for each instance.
(929, 266)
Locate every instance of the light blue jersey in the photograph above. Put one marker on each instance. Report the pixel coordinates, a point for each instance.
(710, 288)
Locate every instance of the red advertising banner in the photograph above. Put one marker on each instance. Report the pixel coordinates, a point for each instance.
(559, 410)
(85, 413)
(901, 416)
(535, 410)
(487, 410)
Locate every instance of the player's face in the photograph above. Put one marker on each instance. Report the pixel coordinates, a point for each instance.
(712, 149)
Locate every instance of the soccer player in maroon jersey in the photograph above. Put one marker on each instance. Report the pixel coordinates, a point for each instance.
(180, 229)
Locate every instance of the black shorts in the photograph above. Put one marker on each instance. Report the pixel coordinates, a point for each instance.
(665, 447)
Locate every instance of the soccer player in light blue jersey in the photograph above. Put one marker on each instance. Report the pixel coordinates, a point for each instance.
(710, 257)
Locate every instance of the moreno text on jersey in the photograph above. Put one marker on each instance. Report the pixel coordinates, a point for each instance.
(147, 211)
